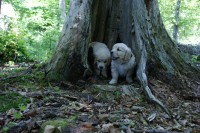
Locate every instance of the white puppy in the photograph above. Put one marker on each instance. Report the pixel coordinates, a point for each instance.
(123, 63)
(102, 58)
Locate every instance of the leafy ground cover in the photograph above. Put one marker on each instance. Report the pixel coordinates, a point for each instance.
(90, 105)
(11, 100)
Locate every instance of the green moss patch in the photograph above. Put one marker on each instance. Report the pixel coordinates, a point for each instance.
(57, 123)
(11, 100)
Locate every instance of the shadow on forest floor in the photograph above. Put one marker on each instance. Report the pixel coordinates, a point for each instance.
(30, 104)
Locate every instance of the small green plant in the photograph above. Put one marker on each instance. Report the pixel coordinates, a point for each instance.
(11, 63)
(17, 115)
(195, 59)
(6, 128)
(22, 107)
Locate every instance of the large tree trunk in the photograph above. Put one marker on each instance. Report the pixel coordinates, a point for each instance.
(136, 23)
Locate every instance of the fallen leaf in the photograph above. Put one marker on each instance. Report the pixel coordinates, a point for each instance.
(49, 129)
(105, 127)
(87, 126)
(152, 117)
(113, 130)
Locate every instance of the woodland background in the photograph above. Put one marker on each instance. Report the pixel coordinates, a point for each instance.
(30, 30)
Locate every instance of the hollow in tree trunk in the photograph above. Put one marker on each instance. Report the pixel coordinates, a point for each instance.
(137, 23)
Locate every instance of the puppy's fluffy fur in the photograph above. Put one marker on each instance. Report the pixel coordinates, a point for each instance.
(102, 58)
(123, 63)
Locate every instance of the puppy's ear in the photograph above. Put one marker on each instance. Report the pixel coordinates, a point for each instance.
(128, 55)
(109, 61)
(95, 62)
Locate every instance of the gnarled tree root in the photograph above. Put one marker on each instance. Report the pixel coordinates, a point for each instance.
(153, 99)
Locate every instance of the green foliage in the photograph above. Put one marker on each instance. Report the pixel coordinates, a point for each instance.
(22, 107)
(56, 123)
(12, 100)
(38, 25)
(6, 128)
(41, 22)
(12, 47)
(17, 115)
(195, 59)
(189, 22)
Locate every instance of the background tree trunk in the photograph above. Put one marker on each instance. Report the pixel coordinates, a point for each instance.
(136, 23)
(0, 6)
(177, 9)
(62, 6)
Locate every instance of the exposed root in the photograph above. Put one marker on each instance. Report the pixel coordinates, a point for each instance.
(153, 99)
(144, 83)
(143, 80)
(141, 70)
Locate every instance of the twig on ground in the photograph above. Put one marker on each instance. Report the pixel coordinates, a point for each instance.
(28, 70)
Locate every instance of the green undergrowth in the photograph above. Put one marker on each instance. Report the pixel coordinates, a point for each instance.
(11, 72)
(16, 79)
(10, 100)
(196, 59)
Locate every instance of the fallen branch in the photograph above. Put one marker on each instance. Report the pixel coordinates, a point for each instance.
(71, 97)
(28, 70)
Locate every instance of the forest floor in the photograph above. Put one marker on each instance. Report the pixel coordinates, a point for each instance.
(29, 104)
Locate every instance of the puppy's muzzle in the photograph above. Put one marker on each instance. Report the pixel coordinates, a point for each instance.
(113, 58)
(100, 68)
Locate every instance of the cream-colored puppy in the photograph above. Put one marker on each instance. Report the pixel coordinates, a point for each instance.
(102, 58)
(123, 63)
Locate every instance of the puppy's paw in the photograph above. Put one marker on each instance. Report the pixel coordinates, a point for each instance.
(129, 80)
(113, 81)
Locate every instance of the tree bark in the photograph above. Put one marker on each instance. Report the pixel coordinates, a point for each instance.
(177, 9)
(70, 57)
(136, 23)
